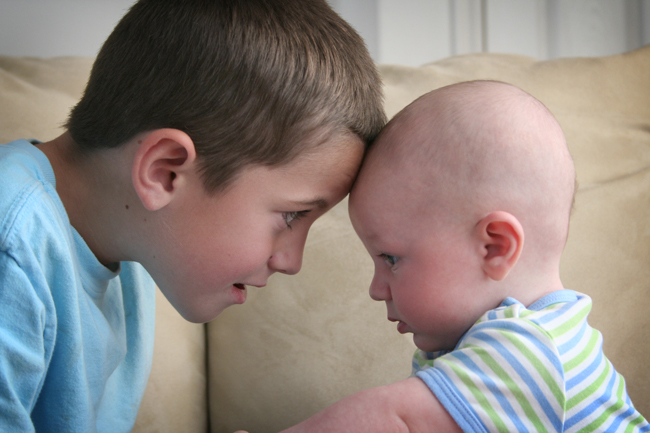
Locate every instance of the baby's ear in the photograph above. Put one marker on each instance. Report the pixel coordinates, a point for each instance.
(502, 240)
(162, 160)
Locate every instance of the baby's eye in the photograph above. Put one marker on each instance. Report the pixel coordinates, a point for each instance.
(391, 260)
(289, 217)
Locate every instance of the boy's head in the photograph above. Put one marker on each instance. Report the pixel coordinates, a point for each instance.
(443, 201)
(212, 134)
(252, 82)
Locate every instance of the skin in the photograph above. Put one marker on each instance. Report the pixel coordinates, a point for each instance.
(443, 203)
(145, 202)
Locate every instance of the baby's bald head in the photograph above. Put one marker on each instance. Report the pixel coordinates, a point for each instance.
(476, 147)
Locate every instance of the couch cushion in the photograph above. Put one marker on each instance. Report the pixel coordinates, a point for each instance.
(35, 98)
(306, 341)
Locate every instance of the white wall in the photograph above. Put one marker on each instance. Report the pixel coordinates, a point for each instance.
(50, 28)
(409, 32)
(414, 32)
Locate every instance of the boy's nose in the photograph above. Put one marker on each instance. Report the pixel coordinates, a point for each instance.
(288, 259)
(285, 263)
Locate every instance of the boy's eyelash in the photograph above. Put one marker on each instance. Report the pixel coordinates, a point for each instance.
(289, 217)
(389, 259)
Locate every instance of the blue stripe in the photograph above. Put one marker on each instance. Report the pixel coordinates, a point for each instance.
(595, 405)
(415, 366)
(518, 330)
(453, 401)
(573, 342)
(561, 296)
(586, 372)
(552, 315)
(620, 418)
(489, 383)
(527, 378)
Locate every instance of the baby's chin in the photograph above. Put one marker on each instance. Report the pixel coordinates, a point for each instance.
(429, 346)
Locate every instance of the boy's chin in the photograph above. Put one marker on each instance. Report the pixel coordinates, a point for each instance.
(206, 307)
(201, 313)
(201, 317)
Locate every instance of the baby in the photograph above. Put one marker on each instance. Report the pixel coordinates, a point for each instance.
(464, 203)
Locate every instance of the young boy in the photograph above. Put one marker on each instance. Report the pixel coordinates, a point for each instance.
(210, 137)
(464, 202)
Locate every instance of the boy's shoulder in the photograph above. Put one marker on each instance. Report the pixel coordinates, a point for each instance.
(22, 166)
(28, 198)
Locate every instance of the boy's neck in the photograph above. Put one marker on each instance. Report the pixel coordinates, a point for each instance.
(85, 185)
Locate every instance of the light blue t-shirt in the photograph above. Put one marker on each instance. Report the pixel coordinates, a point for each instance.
(76, 339)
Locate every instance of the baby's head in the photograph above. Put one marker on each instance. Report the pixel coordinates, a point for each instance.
(445, 199)
(251, 82)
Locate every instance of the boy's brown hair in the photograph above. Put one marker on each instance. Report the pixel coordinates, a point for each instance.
(250, 81)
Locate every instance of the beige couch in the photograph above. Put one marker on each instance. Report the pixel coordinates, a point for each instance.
(306, 341)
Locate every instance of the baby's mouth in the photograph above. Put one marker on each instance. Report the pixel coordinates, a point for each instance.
(240, 286)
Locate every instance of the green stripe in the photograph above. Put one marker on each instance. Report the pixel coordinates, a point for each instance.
(512, 386)
(608, 412)
(422, 361)
(483, 402)
(594, 386)
(635, 422)
(556, 389)
(621, 386)
(525, 313)
(583, 355)
(575, 320)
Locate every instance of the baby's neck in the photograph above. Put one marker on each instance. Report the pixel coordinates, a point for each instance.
(528, 287)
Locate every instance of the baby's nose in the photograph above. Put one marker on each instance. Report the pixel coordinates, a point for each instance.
(379, 290)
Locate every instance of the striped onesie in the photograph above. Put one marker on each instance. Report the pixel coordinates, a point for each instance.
(535, 369)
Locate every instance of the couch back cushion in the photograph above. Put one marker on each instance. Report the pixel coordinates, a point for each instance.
(305, 341)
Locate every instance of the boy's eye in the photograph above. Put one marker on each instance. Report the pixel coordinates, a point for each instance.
(289, 217)
(391, 260)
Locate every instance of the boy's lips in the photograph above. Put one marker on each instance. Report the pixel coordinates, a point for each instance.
(239, 292)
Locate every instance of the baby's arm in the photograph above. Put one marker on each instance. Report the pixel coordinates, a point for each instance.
(405, 406)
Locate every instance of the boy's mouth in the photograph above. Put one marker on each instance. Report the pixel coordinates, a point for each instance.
(239, 293)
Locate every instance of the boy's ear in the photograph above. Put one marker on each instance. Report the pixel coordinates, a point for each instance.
(162, 160)
(502, 240)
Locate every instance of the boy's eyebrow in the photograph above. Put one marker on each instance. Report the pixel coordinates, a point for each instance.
(318, 202)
